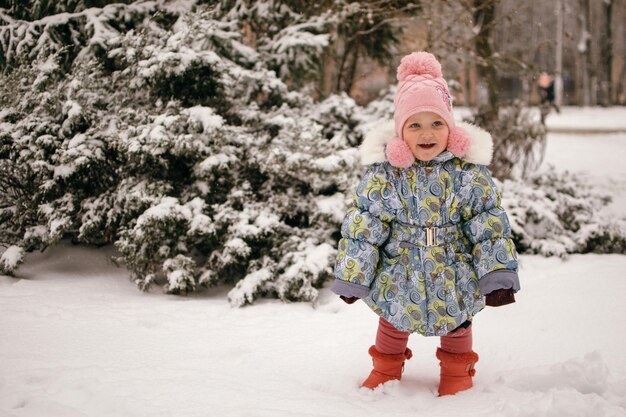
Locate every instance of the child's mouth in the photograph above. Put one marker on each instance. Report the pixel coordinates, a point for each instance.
(426, 145)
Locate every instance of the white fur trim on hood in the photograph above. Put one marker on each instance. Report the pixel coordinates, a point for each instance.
(372, 150)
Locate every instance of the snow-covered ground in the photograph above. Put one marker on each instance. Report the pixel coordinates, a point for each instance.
(78, 339)
(574, 119)
(600, 157)
(591, 120)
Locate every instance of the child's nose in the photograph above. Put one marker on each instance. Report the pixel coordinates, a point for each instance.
(427, 134)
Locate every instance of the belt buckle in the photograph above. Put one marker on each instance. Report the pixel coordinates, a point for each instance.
(431, 236)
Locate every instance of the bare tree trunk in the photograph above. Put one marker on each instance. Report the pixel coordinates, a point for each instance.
(607, 55)
(467, 89)
(329, 71)
(430, 15)
(584, 45)
(351, 72)
(558, 79)
(484, 19)
(342, 65)
(527, 80)
(619, 91)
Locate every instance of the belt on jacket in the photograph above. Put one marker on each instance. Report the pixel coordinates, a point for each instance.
(426, 236)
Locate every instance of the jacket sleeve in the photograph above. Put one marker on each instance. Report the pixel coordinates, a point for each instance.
(487, 228)
(364, 229)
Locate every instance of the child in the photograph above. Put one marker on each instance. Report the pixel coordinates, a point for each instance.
(426, 238)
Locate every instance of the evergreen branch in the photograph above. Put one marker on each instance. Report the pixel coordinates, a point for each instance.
(374, 28)
(20, 38)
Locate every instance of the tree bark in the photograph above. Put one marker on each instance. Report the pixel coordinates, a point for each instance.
(340, 70)
(607, 55)
(329, 70)
(484, 14)
(558, 71)
(584, 46)
(351, 72)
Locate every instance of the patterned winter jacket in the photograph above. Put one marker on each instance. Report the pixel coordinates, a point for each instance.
(422, 245)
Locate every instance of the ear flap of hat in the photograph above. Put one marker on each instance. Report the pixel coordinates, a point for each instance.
(398, 153)
(471, 143)
(459, 141)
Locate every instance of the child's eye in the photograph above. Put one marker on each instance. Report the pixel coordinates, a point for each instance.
(438, 123)
(414, 125)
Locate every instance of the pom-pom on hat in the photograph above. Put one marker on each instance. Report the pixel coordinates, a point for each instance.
(421, 87)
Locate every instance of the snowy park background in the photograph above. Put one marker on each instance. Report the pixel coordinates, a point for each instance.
(80, 340)
(173, 175)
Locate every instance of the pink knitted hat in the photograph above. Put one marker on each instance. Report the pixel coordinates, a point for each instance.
(421, 87)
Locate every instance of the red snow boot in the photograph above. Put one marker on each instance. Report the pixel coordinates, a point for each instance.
(386, 367)
(457, 370)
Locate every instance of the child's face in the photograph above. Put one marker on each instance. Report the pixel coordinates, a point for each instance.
(426, 134)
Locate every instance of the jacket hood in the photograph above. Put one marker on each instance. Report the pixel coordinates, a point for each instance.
(479, 149)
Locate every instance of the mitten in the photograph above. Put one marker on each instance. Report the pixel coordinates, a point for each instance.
(348, 300)
(500, 297)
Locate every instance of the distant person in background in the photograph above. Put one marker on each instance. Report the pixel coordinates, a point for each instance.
(546, 92)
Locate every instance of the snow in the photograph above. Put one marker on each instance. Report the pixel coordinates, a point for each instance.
(244, 290)
(293, 37)
(199, 222)
(167, 207)
(21, 38)
(174, 62)
(237, 246)
(63, 171)
(78, 339)
(312, 259)
(215, 161)
(607, 152)
(588, 140)
(267, 220)
(72, 108)
(590, 120)
(11, 257)
(334, 205)
(206, 117)
(328, 163)
(576, 120)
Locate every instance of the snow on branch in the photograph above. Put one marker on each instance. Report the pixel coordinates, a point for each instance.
(76, 34)
(10, 259)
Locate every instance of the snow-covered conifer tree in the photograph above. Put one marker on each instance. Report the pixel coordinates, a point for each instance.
(176, 143)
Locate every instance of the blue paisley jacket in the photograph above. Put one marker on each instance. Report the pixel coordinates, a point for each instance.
(422, 245)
